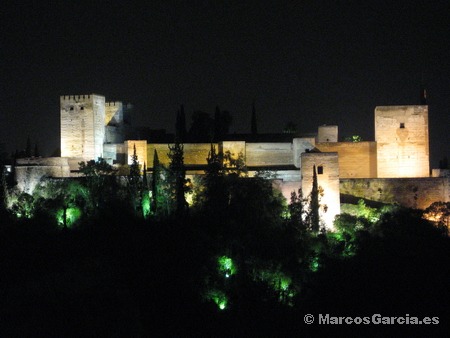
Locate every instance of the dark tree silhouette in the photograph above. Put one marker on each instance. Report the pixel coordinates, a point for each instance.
(254, 127)
(28, 148)
(177, 179)
(180, 125)
(314, 204)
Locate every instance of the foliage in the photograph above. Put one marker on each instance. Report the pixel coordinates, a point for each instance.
(226, 266)
(178, 184)
(134, 184)
(235, 165)
(99, 182)
(354, 138)
(438, 212)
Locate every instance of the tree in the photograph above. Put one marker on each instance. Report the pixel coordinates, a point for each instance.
(177, 179)
(98, 176)
(145, 198)
(134, 182)
(180, 125)
(161, 205)
(210, 190)
(222, 122)
(314, 204)
(202, 128)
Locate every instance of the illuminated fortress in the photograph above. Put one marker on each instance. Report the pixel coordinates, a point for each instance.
(394, 168)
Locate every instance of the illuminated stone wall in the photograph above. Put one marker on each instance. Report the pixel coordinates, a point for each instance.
(266, 154)
(409, 192)
(356, 159)
(195, 154)
(82, 126)
(327, 169)
(141, 151)
(401, 133)
(30, 171)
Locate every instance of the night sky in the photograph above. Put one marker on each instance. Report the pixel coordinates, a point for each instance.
(310, 62)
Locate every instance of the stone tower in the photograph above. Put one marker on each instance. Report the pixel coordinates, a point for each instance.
(401, 133)
(82, 126)
(327, 167)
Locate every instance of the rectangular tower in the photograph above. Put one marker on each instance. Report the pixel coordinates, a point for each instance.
(327, 170)
(401, 133)
(82, 126)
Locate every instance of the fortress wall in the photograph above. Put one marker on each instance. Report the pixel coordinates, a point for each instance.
(29, 172)
(266, 154)
(409, 192)
(401, 133)
(356, 159)
(194, 153)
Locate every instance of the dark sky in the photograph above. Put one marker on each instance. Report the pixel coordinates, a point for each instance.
(310, 62)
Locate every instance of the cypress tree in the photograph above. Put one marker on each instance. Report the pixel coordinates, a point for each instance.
(314, 203)
(177, 178)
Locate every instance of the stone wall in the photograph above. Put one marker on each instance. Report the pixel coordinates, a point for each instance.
(195, 154)
(268, 154)
(30, 171)
(356, 159)
(409, 192)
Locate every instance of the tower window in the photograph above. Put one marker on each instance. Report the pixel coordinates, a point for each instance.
(71, 107)
(402, 125)
(320, 170)
(81, 108)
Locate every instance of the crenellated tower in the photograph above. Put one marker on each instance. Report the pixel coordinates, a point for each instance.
(82, 126)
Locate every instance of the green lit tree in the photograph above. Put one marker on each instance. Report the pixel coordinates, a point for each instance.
(145, 195)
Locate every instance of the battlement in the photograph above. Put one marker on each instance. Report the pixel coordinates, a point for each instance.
(113, 104)
(77, 98)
